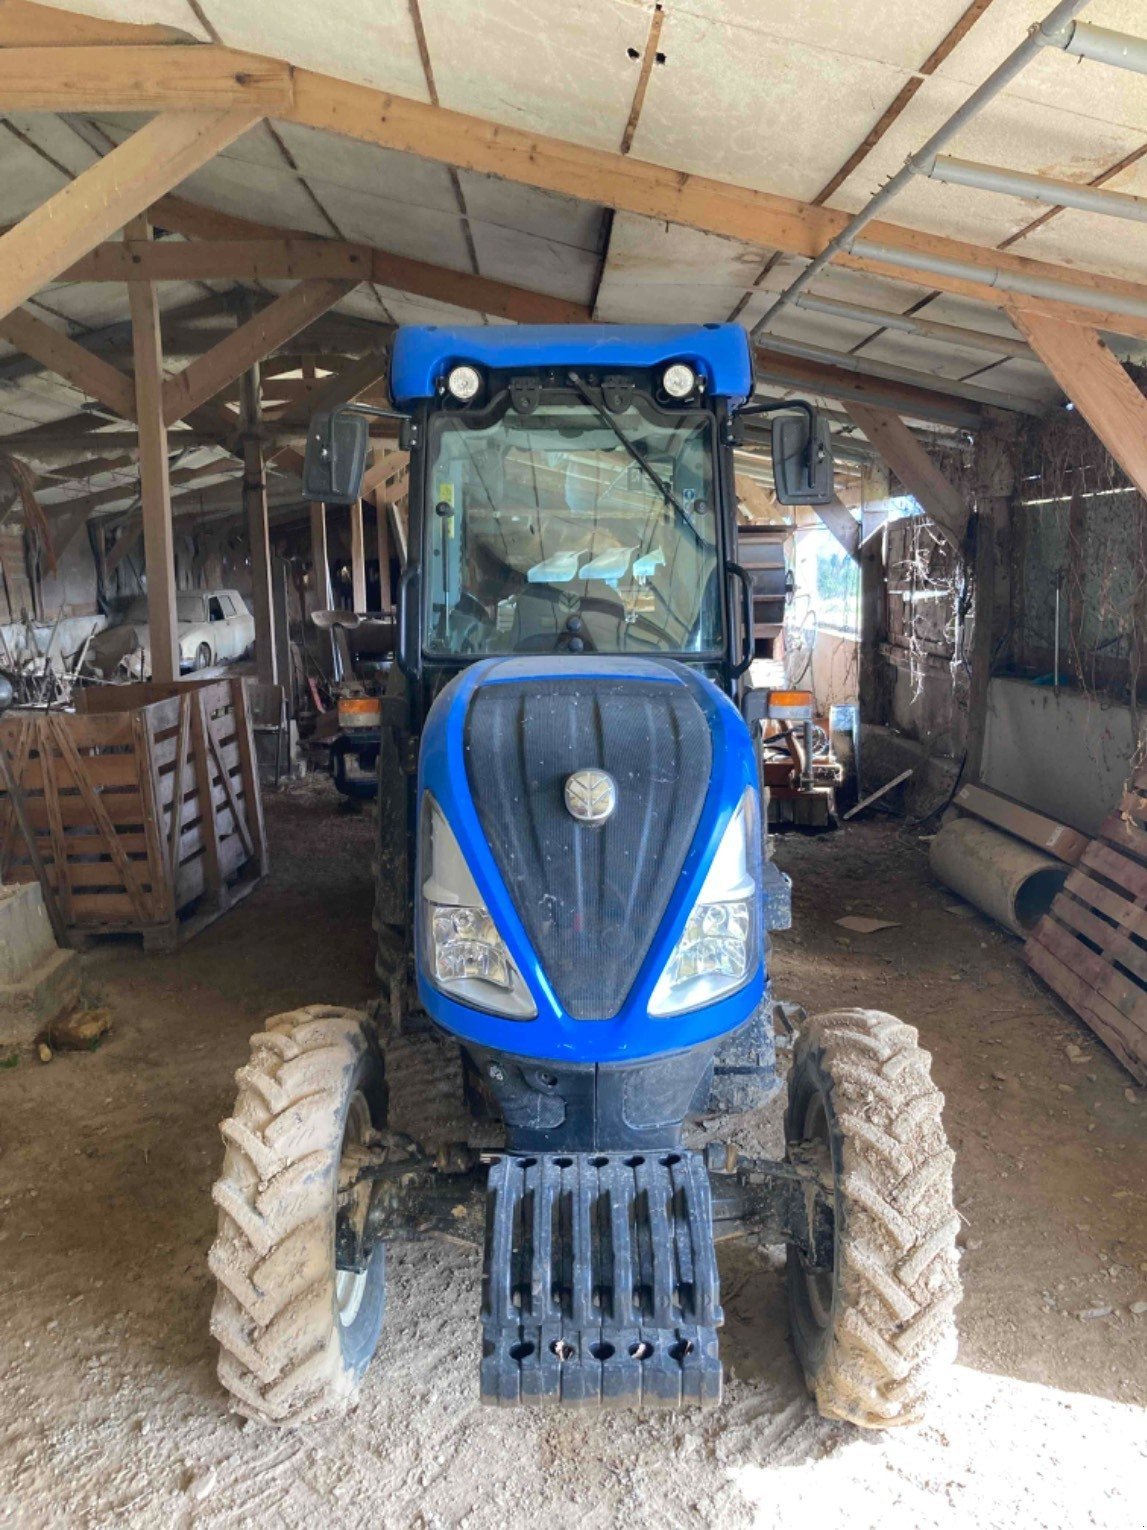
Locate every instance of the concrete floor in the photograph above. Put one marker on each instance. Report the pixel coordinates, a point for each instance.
(109, 1410)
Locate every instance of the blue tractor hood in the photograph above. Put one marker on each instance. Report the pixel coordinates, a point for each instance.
(578, 908)
(423, 354)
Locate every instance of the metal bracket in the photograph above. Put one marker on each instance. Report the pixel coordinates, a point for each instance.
(787, 1200)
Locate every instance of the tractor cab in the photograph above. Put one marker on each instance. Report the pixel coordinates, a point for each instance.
(572, 492)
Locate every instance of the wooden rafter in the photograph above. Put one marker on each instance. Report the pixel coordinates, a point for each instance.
(1099, 386)
(627, 184)
(837, 518)
(93, 376)
(341, 388)
(151, 77)
(222, 247)
(385, 466)
(263, 333)
(109, 194)
(903, 453)
(599, 176)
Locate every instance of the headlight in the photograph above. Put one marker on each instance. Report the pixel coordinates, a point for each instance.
(679, 380)
(464, 954)
(463, 383)
(718, 949)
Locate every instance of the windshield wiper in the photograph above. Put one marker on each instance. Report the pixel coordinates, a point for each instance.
(651, 473)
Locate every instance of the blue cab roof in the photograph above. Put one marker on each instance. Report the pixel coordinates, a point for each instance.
(423, 353)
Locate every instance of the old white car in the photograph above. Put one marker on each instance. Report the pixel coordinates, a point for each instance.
(213, 626)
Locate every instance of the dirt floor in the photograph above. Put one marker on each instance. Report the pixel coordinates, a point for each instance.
(110, 1413)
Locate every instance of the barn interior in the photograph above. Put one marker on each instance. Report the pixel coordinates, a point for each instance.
(218, 215)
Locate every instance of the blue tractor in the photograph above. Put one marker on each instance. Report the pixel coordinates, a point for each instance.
(574, 896)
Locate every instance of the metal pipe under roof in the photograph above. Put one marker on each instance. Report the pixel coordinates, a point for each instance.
(1056, 30)
(1036, 188)
(1103, 46)
(910, 324)
(865, 367)
(1005, 281)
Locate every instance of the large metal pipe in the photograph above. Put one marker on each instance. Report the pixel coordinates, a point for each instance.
(1106, 47)
(1054, 31)
(1036, 188)
(1003, 877)
(912, 324)
(865, 367)
(1003, 281)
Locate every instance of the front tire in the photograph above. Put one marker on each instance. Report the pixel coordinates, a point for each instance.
(877, 1331)
(296, 1333)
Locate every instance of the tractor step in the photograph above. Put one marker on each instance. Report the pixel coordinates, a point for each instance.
(599, 1285)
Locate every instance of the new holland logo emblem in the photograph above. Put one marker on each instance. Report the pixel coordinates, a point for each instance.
(591, 796)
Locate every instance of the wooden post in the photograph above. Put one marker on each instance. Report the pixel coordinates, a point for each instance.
(873, 678)
(357, 556)
(995, 482)
(154, 479)
(258, 528)
(385, 594)
(321, 599)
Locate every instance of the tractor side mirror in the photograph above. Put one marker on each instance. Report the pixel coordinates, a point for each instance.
(335, 460)
(802, 459)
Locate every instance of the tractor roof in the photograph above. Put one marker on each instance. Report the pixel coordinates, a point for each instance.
(717, 352)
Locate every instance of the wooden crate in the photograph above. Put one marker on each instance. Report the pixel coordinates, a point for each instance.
(145, 807)
(1092, 947)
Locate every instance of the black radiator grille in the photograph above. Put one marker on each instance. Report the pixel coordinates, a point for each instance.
(590, 898)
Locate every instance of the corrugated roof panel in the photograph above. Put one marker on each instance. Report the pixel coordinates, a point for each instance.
(657, 270)
(505, 205)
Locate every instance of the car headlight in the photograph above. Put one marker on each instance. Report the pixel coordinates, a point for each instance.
(718, 949)
(464, 954)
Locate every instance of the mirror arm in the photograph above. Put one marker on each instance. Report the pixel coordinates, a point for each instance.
(371, 410)
(786, 406)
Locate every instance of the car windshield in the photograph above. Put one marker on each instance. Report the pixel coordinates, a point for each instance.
(542, 528)
(188, 608)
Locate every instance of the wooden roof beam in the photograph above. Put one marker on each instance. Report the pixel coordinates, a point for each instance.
(221, 247)
(936, 496)
(141, 78)
(109, 194)
(86, 371)
(164, 75)
(1098, 385)
(656, 191)
(279, 322)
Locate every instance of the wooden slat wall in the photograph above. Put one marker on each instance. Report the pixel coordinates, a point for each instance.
(1092, 947)
(137, 813)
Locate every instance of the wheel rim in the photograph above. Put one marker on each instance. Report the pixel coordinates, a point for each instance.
(819, 1283)
(349, 1286)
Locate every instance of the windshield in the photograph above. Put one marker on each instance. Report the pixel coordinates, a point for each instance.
(188, 608)
(542, 530)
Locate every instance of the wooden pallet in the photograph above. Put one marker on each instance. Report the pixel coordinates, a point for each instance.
(148, 819)
(1092, 947)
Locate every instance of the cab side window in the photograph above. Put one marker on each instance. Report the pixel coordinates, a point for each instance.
(215, 612)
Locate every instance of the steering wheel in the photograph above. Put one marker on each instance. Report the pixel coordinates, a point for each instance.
(562, 641)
